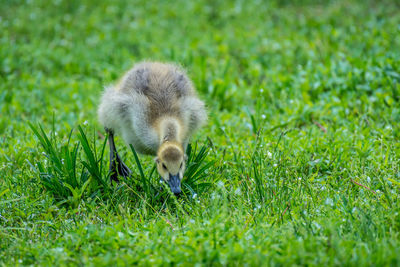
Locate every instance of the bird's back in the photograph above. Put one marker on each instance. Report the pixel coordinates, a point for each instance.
(146, 95)
(164, 85)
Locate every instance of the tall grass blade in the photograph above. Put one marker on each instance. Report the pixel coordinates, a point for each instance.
(92, 163)
(143, 177)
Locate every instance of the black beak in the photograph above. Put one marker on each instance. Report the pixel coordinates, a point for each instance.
(175, 184)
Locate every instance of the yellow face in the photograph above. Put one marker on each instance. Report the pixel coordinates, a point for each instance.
(171, 166)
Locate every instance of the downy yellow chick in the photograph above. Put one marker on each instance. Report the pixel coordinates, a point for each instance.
(155, 108)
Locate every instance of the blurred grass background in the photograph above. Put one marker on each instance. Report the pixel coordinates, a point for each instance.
(303, 98)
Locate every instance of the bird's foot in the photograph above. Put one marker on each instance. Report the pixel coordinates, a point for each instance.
(123, 170)
(118, 168)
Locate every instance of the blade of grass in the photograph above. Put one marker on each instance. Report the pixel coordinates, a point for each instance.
(143, 177)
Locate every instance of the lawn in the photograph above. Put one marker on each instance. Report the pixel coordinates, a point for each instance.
(297, 165)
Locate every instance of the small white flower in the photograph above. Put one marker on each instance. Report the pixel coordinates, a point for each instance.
(261, 90)
(263, 116)
(329, 202)
(269, 154)
(275, 165)
(85, 123)
(257, 207)
(249, 236)
(194, 195)
(317, 225)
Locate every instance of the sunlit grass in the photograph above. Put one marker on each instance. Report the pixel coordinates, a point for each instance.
(298, 164)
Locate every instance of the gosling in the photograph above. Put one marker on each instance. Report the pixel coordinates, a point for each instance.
(155, 108)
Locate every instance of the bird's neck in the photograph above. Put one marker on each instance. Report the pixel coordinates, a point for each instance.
(170, 130)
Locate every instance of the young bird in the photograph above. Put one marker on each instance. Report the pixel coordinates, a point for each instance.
(155, 108)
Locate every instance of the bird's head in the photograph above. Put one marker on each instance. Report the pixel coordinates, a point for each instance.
(171, 164)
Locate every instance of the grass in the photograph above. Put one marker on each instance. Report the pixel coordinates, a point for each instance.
(298, 165)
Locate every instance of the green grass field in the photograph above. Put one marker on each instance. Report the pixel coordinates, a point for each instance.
(298, 164)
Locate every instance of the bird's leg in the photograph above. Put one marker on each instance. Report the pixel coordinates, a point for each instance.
(117, 166)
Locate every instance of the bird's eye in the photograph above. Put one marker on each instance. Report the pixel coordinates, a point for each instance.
(165, 167)
(181, 165)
